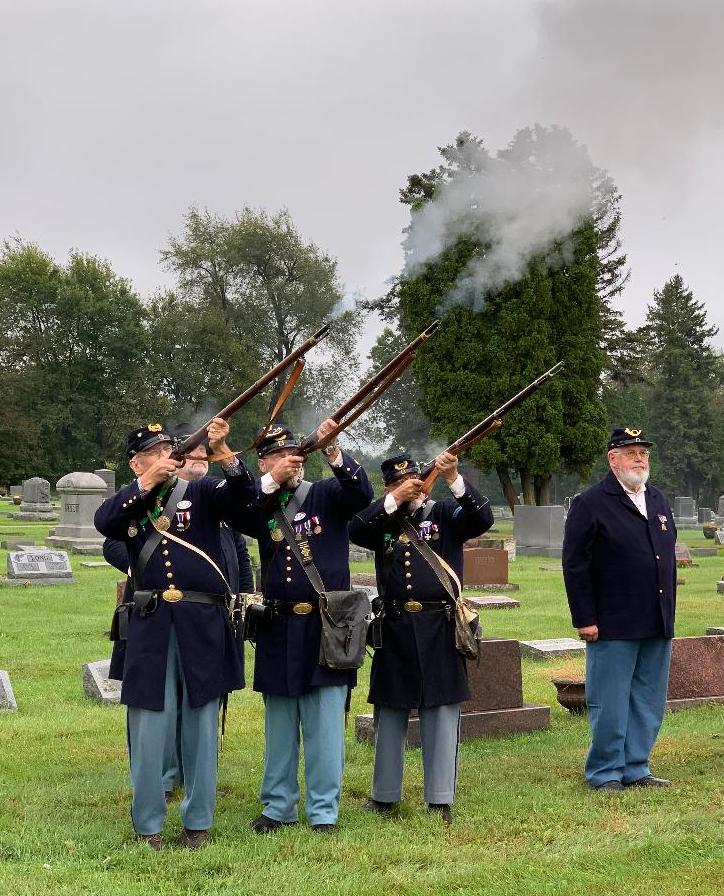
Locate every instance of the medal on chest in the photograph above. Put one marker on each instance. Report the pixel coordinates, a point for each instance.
(663, 521)
(183, 520)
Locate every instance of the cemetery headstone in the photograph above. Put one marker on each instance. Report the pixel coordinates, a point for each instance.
(705, 515)
(719, 536)
(81, 494)
(543, 648)
(538, 530)
(35, 505)
(16, 490)
(109, 477)
(493, 602)
(39, 566)
(7, 698)
(484, 566)
(97, 685)
(685, 515)
(682, 554)
(496, 706)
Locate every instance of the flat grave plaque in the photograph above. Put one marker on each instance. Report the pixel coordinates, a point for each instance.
(94, 564)
(546, 647)
(97, 685)
(39, 566)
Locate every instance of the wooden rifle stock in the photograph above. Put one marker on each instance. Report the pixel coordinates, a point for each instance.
(491, 423)
(369, 393)
(196, 438)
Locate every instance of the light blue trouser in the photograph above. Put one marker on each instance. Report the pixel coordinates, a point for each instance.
(320, 713)
(439, 737)
(626, 683)
(148, 732)
(173, 772)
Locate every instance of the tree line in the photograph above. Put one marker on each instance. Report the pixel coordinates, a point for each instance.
(83, 357)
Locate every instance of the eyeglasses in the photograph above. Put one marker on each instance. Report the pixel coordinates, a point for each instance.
(157, 450)
(632, 455)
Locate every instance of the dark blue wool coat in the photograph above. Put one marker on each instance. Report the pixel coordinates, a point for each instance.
(287, 647)
(209, 653)
(418, 664)
(619, 567)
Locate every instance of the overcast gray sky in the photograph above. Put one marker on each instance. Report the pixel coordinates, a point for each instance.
(117, 115)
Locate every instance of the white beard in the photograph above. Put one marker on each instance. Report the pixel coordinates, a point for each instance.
(634, 479)
(295, 481)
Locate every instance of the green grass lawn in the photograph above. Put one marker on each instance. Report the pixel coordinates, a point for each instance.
(525, 823)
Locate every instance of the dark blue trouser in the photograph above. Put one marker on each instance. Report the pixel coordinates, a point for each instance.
(626, 683)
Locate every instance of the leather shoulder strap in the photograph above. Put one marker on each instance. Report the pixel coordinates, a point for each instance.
(441, 569)
(302, 552)
(154, 539)
(192, 547)
(297, 499)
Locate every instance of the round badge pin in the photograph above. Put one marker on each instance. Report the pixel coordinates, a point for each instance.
(183, 505)
(299, 516)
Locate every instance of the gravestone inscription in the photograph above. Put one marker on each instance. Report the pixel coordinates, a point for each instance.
(39, 566)
(81, 494)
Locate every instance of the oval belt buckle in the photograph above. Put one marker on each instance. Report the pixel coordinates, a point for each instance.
(413, 606)
(302, 609)
(172, 595)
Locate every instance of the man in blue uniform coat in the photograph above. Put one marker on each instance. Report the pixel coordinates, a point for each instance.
(417, 665)
(238, 572)
(297, 690)
(180, 639)
(619, 567)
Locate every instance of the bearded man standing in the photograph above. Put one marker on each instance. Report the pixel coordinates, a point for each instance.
(619, 567)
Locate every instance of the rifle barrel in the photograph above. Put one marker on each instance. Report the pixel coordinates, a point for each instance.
(371, 384)
(461, 443)
(197, 437)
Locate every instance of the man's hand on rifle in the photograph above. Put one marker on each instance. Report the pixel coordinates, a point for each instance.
(159, 471)
(218, 431)
(446, 465)
(323, 430)
(286, 468)
(408, 490)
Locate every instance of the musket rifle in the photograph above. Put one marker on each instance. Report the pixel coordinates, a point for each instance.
(369, 393)
(191, 442)
(487, 426)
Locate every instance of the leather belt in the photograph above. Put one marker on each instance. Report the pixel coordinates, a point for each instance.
(303, 608)
(416, 606)
(176, 595)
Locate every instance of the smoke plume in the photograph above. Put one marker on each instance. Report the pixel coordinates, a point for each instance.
(516, 204)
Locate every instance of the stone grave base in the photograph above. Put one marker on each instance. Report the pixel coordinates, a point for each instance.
(7, 698)
(703, 552)
(491, 723)
(720, 586)
(93, 564)
(715, 630)
(32, 517)
(492, 588)
(691, 702)
(686, 523)
(541, 649)
(20, 545)
(494, 602)
(527, 551)
(75, 545)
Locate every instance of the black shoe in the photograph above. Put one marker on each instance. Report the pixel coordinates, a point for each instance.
(153, 840)
(262, 824)
(443, 809)
(650, 781)
(193, 839)
(610, 786)
(324, 828)
(379, 807)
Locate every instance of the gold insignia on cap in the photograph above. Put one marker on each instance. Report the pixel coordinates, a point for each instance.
(154, 427)
(632, 432)
(402, 466)
(275, 432)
